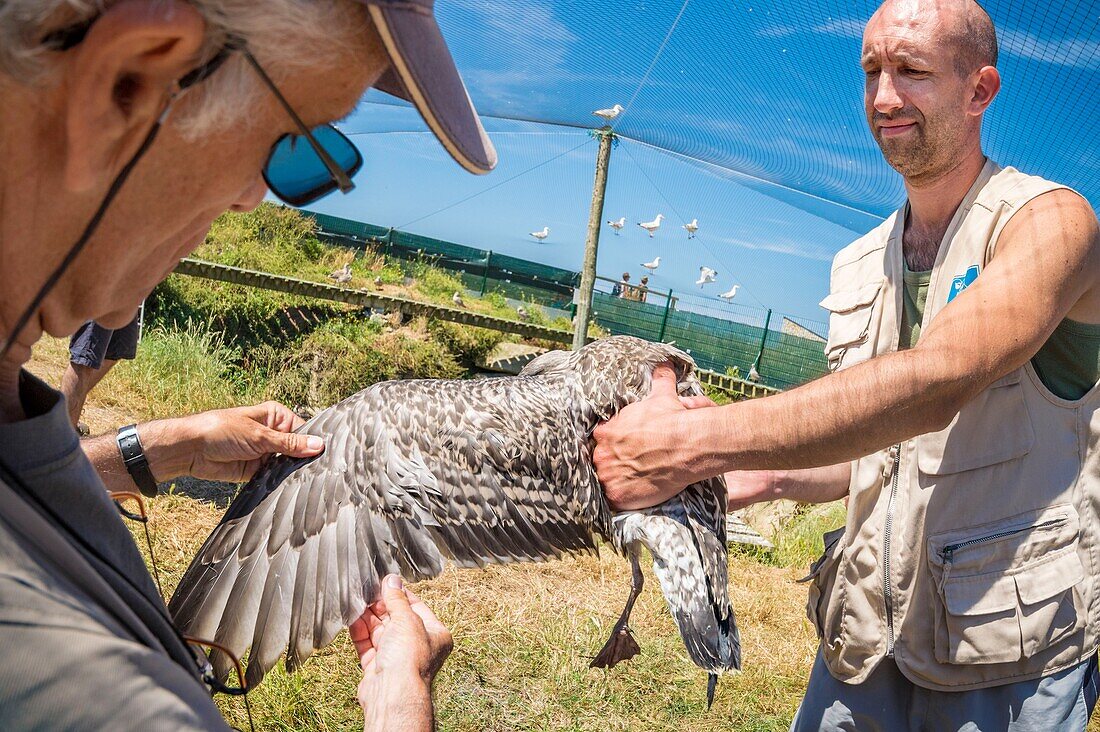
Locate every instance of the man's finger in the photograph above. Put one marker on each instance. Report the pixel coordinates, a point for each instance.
(417, 605)
(294, 444)
(393, 594)
(664, 382)
(697, 402)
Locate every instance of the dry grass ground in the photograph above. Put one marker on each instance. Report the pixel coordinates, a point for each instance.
(524, 634)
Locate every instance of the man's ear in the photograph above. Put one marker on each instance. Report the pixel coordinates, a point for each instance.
(118, 80)
(987, 85)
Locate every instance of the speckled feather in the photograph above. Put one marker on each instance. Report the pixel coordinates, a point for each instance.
(478, 472)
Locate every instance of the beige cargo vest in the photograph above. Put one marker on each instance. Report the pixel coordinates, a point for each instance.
(970, 554)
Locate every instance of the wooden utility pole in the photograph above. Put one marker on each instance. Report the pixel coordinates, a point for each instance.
(592, 241)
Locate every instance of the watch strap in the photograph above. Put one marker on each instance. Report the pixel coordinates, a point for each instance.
(133, 457)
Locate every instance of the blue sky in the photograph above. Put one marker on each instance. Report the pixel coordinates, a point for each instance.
(748, 116)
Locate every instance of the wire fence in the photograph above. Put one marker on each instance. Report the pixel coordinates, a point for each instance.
(721, 336)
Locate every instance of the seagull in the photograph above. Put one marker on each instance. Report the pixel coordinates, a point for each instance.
(457, 300)
(609, 114)
(652, 226)
(477, 472)
(522, 313)
(341, 275)
(728, 296)
(540, 235)
(378, 281)
(692, 228)
(652, 265)
(617, 225)
(706, 276)
(754, 375)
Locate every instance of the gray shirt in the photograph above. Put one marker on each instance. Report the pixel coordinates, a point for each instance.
(84, 638)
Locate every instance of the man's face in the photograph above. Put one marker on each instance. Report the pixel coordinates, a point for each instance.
(914, 98)
(182, 185)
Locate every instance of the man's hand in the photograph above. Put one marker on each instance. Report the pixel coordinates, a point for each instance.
(231, 444)
(224, 444)
(636, 450)
(401, 646)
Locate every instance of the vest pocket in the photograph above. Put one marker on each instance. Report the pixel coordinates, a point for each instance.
(1008, 588)
(849, 322)
(821, 579)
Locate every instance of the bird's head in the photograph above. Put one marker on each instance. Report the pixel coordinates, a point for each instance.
(618, 370)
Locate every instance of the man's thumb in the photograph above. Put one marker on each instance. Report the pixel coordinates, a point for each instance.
(664, 381)
(295, 444)
(393, 593)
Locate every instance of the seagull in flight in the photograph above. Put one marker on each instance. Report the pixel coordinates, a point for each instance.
(652, 265)
(652, 226)
(609, 114)
(728, 296)
(417, 473)
(692, 228)
(540, 235)
(706, 276)
(617, 225)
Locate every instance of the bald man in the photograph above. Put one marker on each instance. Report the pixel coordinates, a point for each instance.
(962, 421)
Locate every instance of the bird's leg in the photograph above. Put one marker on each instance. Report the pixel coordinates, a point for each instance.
(621, 646)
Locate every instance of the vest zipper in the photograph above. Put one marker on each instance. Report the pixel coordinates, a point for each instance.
(950, 549)
(887, 585)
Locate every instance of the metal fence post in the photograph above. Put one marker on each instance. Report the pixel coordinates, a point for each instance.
(763, 341)
(664, 320)
(389, 240)
(485, 278)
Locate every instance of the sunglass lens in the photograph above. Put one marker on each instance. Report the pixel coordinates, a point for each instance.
(296, 174)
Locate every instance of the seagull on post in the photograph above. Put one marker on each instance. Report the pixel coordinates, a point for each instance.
(706, 276)
(728, 296)
(652, 265)
(540, 235)
(692, 228)
(652, 226)
(617, 225)
(609, 114)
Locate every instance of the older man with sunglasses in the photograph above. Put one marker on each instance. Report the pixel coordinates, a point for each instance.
(127, 127)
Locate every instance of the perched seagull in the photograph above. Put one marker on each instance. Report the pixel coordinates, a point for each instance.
(617, 225)
(692, 228)
(540, 235)
(652, 226)
(378, 281)
(341, 275)
(475, 471)
(706, 276)
(522, 313)
(609, 114)
(652, 265)
(754, 375)
(728, 296)
(457, 300)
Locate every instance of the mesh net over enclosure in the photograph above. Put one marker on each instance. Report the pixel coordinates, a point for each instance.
(746, 113)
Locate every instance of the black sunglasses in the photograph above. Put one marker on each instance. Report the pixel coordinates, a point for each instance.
(301, 168)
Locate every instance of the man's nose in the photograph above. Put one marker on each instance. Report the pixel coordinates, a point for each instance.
(250, 197)
(887, 99)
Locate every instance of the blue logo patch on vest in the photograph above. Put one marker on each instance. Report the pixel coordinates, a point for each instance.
(963, 281)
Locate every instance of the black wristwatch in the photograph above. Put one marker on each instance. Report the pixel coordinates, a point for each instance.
(133, 457)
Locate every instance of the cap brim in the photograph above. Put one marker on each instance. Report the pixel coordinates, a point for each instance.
(424, 73)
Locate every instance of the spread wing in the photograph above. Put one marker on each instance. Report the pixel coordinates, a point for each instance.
(414, 472)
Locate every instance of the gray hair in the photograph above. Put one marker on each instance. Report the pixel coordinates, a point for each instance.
(284, 34)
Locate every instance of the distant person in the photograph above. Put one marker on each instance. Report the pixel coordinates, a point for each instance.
(622, 287)
(93, 351)
(962, 421)
(642, 291)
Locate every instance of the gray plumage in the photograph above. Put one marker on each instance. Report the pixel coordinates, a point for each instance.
(477, 472)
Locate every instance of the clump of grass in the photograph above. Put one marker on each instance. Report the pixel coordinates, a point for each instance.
(798, 543)
(345, 356)
(469, 344)
(180, 370)
(435, 282)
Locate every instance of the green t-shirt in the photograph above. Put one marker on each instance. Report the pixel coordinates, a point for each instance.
(1068, 363)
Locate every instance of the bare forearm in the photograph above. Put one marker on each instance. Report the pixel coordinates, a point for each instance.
(405, 706)
(809, 485)
(165, 444)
